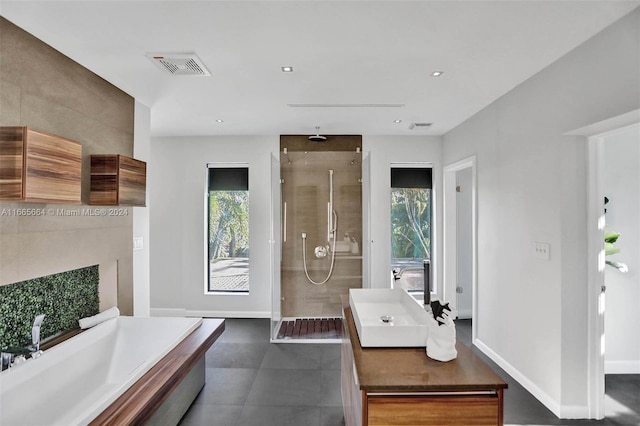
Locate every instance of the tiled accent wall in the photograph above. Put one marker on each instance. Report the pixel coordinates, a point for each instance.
(64, 298)
(46, 90)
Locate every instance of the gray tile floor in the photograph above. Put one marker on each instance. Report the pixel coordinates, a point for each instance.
(253, 382)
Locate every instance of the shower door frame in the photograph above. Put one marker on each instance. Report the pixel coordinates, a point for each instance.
(276, 235)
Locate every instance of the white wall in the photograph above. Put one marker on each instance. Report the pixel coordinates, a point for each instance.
(622, 185)
(176, 186)
(385, 151)
(532, 187)
(141, 272)
(176, 190)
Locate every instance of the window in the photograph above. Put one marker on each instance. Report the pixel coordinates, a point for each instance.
(228, 229)
(411, 228)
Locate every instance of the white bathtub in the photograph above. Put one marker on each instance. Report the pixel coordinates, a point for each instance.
(73, 382)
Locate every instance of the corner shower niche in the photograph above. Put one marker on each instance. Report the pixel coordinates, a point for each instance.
(321, 198)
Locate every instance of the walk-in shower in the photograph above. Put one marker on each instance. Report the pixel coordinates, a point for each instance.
(321, 233)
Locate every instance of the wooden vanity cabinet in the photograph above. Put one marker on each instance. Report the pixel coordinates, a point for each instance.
(39, 167)
(402, 386)
(117, 180)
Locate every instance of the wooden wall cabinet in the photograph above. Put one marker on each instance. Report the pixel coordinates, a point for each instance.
(117, 180)
(39, 167)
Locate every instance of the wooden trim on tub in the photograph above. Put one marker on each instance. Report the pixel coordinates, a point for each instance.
(138, 404)
(66, 335)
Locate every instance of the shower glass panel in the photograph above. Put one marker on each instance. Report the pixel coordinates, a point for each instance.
(321, 225)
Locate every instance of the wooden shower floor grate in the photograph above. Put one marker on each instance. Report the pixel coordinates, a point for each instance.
(311, 328)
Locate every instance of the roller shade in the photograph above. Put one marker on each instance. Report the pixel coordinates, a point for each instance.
(229, 179)
(411, 177)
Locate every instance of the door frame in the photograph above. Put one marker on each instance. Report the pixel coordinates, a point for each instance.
(450, 234)
(594, 136)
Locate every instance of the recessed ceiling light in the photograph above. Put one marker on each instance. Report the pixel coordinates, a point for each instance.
(219, 120)
(287, 69)
(437, 73)
(397, 121)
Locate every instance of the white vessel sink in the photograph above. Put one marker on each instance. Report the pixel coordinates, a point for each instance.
(388, 318)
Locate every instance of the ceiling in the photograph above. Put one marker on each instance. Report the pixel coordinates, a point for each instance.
(361, 64)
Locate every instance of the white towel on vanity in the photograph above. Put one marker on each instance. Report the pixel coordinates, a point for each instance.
(103, 316)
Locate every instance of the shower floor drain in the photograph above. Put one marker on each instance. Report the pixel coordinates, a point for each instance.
(311, 328)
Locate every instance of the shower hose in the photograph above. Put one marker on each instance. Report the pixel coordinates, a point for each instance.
(333, 253)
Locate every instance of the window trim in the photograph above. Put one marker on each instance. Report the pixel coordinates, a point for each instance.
(205, 231)
(419, 295)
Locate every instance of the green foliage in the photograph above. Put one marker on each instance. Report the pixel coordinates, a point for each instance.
(64, 298)
(410, 223)
(228, 224)
(610, 238)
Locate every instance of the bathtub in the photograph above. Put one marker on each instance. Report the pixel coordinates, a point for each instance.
(75, 381)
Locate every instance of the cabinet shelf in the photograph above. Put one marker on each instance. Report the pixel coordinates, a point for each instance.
(36, 166)
(117, 180)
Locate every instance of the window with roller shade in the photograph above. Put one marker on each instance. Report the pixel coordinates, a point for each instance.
(228, 229)
(411, 190)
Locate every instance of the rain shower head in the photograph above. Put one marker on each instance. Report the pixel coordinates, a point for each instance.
(317, 137)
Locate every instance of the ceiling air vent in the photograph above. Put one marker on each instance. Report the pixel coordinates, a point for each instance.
(179, 63)
(420, 125)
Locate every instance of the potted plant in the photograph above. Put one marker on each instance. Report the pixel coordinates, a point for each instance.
(610, 238)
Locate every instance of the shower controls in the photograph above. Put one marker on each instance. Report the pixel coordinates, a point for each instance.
(321, 251)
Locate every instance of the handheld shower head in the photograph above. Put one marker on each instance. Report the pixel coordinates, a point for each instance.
(317, 137)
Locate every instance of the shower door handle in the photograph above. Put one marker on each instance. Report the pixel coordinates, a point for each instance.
(284, 224)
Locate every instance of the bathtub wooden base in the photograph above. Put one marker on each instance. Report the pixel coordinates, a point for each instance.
(142, 400)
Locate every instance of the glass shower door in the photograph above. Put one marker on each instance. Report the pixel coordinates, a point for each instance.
(276, 244)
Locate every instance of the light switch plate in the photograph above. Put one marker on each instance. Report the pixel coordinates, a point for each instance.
(138, 243)
(542, 251)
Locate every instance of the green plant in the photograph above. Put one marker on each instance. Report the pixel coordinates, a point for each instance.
(64, 298)
(610, 238)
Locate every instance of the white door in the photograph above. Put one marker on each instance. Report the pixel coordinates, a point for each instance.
(464, 243)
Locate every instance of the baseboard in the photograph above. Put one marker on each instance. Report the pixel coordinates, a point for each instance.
(228, 314)
(538, 393)
(464, 314)
(561, 411)
(574, 412)
(622, 367)
(168, 312)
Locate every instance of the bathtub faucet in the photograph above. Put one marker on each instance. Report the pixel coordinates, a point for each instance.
(35, 336)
